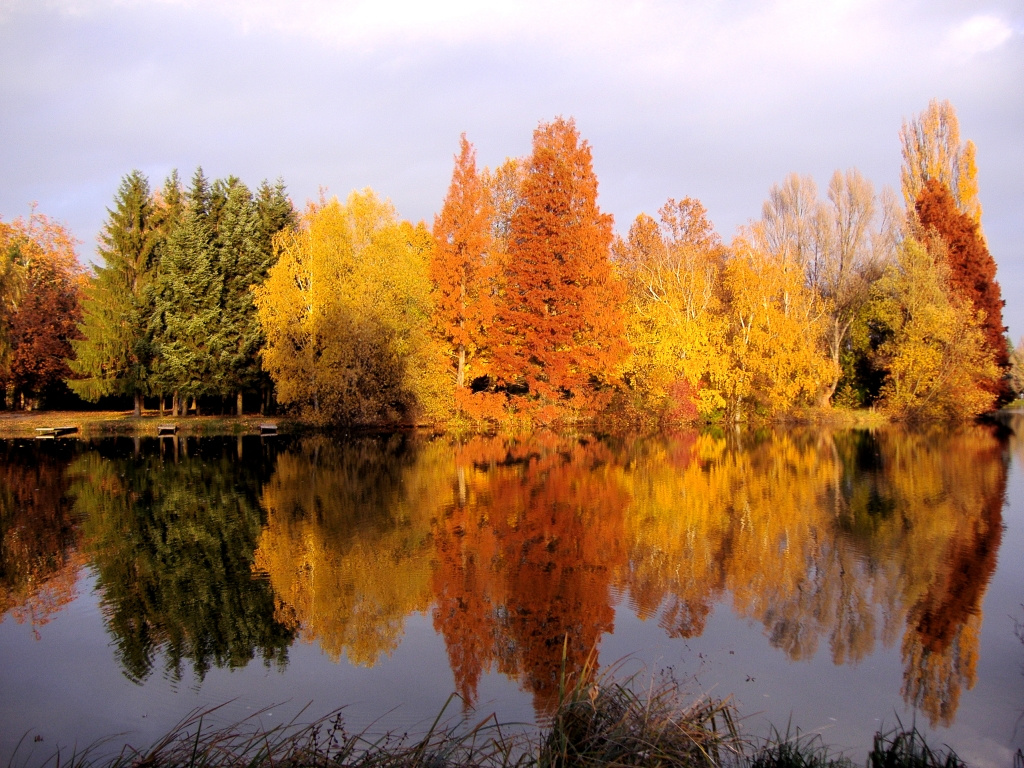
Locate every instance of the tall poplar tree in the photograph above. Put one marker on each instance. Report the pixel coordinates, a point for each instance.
(114, 356)
(559, 329)
(932, 150)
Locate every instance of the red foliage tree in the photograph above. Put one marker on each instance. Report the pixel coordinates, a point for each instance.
(559, 327)
(47, 313)
(459, 267)
(972, 270)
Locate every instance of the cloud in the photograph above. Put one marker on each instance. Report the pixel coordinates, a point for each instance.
(977, 35)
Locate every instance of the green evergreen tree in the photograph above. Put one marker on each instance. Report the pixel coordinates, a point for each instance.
(243, 261)
(186, 301)
(115, 354)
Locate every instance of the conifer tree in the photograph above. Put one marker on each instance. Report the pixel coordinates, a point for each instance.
(115, 354)
(186, 300)
(244, 259)
(458, 266)
(559, 329)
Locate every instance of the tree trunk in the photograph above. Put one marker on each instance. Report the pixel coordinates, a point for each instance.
(138, 403)
(195, 404)
(239, 396)
(460, 376)
(175, 405)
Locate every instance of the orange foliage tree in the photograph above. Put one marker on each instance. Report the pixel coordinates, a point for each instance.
(459, 267)
(972, 270)
(559, 327)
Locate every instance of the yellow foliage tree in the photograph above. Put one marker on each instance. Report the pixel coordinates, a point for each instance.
(344, 312)
(775, 359)
(672, 269)
(932, 351)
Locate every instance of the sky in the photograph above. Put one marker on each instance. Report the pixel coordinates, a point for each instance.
(710, 99)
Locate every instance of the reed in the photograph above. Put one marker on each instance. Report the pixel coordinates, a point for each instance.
(600, 723)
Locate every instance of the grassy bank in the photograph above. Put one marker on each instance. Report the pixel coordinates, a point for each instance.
(108, 423)
(599, 724)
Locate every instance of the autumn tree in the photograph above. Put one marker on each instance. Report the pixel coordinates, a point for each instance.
(1016, 361)
(930, 345)
(841, 244)
(42, 314)
(932, 150)
(114, 356)
(460, 265)
(344, 312)
(559, 326)
(971, 268)
(672, 269)
(774, 346)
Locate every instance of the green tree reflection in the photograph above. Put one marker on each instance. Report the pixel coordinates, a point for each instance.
(171, 529)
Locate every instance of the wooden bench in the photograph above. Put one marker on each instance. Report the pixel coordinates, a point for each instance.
(268, 429)
(166, 429)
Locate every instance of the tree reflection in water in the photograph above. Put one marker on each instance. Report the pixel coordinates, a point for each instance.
(171, 528)
(39, 558)
(519, 548)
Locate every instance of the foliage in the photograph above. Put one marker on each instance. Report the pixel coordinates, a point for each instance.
(930, 343)
(462, 265)
(1016, 361)
(114, 355)
(39, 537)
(39, 316)
(184, 587)
(774, 339)
(673, 272)
(345, 546)
(971, 269)
(932, 151)
(836, 245)
(343, 312)
(558, 330)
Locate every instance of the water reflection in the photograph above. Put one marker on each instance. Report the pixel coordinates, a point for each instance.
(346, 542)
(528, 548)
(216, 552)
(39, 559)
(171, 530)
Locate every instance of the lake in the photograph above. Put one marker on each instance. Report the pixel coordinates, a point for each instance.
(832, 581)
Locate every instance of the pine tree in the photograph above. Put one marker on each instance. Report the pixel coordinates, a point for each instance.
(244, 259)
(115, 354)
(559, 329)
(185, 323)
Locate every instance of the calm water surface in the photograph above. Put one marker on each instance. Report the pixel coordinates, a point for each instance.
(832, 581)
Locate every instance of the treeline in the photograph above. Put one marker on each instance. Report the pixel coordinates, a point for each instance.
(521, 306)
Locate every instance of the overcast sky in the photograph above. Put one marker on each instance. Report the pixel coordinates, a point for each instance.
(710, 99)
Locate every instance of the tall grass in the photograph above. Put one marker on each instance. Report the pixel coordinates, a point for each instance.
(599, 723)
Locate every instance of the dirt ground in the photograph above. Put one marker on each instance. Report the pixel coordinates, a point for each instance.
(25, 423)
